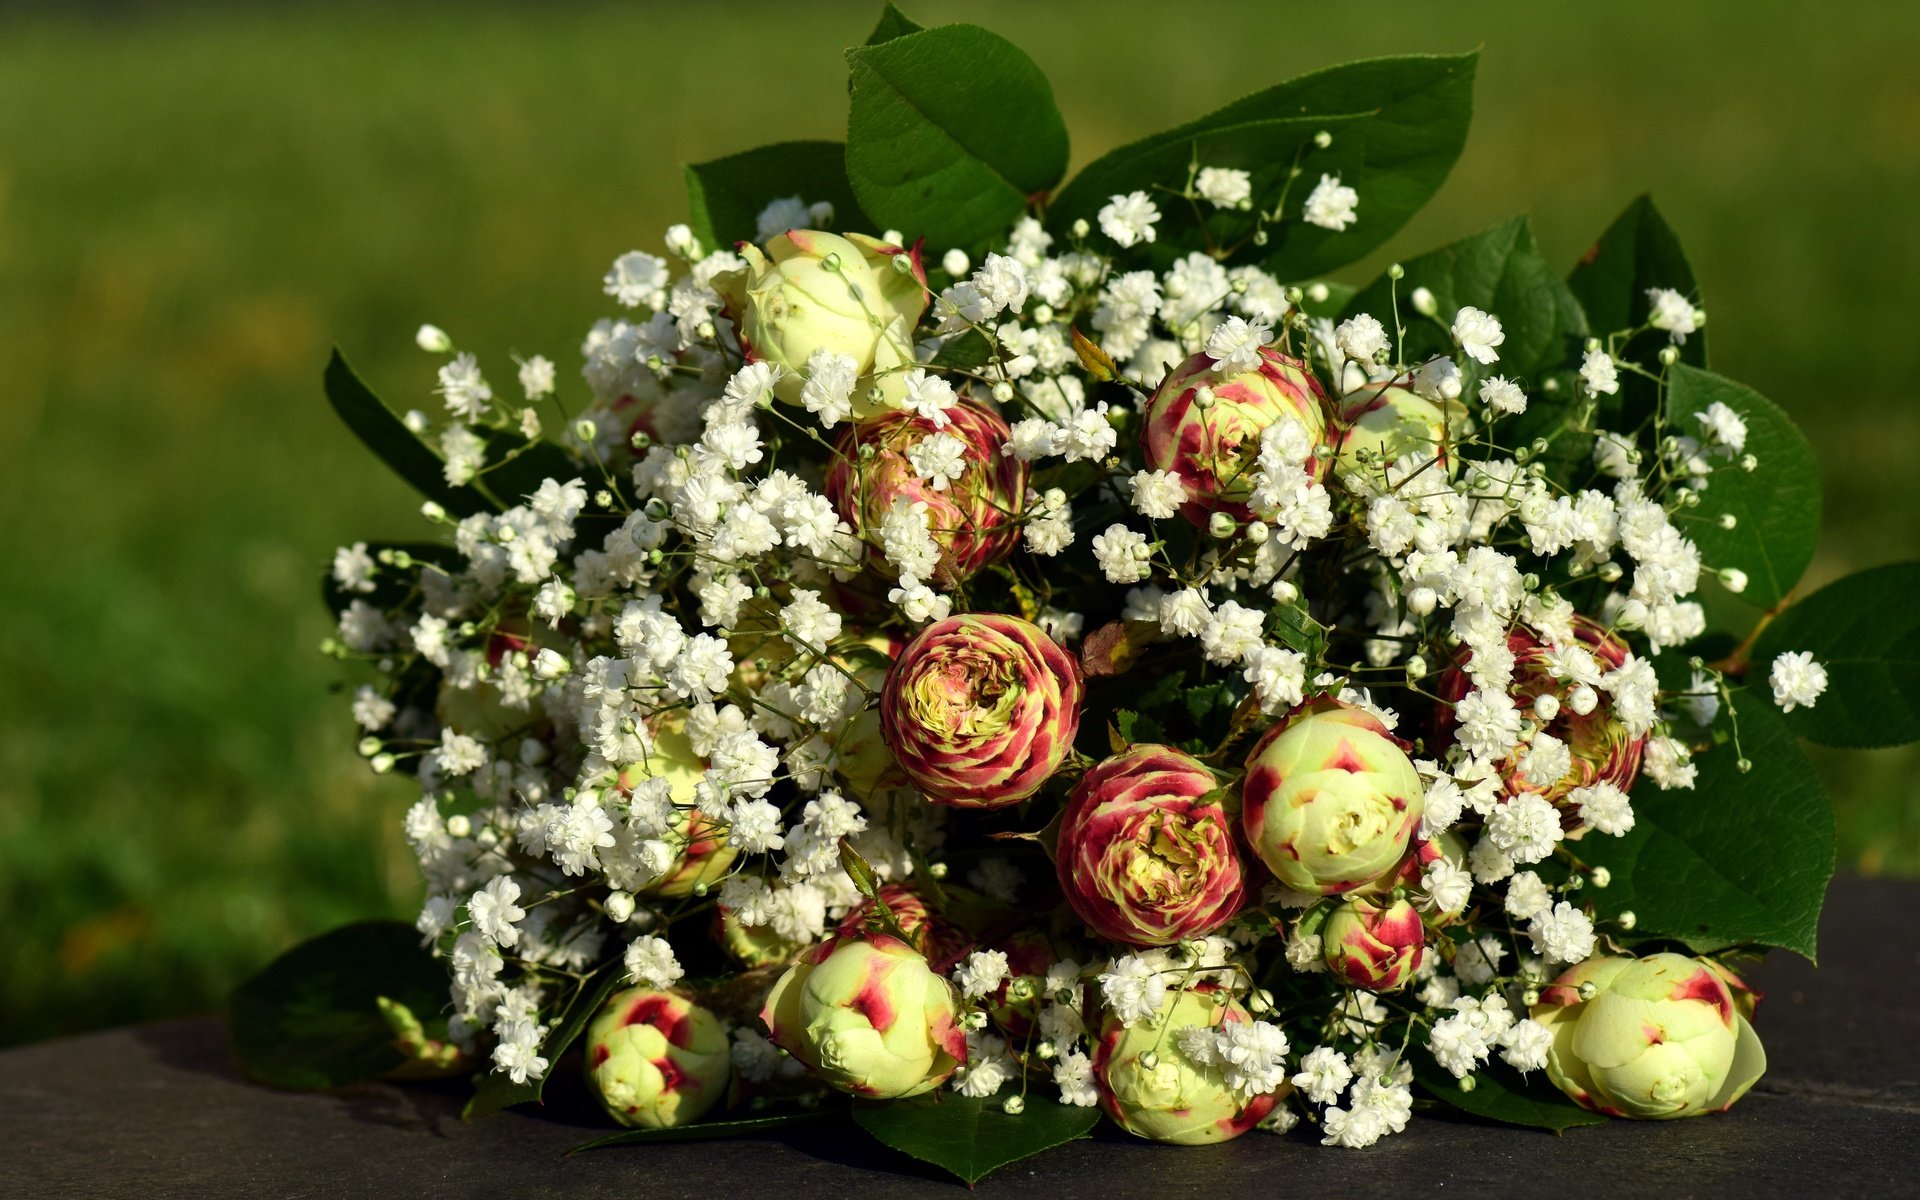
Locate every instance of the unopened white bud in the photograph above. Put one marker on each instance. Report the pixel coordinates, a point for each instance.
(1421, 601)
(1546, 706)
(1601, 877)
(619, 907)
(1734, 579)
(1628, 920)
(1258, 532)
(1014, 1105)
(1583, 700)
(433, 339)
(955, 262)
(459, 825)
(1423, 302)
(1222, 525)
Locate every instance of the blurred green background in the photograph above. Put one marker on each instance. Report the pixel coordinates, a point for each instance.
(194, 202)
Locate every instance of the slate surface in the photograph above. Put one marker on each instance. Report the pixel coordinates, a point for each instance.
(159, 1111)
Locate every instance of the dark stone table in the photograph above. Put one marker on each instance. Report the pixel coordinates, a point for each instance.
(160, 1111)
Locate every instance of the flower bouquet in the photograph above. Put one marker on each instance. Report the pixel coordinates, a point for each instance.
(977, 653)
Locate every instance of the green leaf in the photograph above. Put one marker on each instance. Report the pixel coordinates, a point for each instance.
(383, 433)
(1865, 629)
(1499, 271)
(1637, 252)
(1503, 1095)
(968, 351)
(495, 1091)
(311, 1018)
(702, 1131)
(950, 132)
(971, 1137)
(725, 196)
(1740, 858)
(1776, 508)
(1398, 125)
(892, 24)
(523, 466)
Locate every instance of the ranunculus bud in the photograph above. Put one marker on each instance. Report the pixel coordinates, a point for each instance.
(939, 940)
(702, 855)
(1662, 1037)
(1603, 751)
(980, 709)
(1387, 424)
(973, 517)
(819, 291)
(1211, 440)
(1374, 946)
(656, 1059)
(866, 1014)
(1146, 852)
(1149, 1086)
(1331, 801)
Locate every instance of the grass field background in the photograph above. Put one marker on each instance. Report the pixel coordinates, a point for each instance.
(196, 201)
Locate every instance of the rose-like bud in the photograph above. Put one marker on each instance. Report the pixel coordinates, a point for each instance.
(1149, 1086)
(973, 518)
(1212, 440)
(939, 940)
(866, 1014)
(1602, 749)
(656, 1059)
(1385, 424)
(819, 291)
(980, 709)
(1661, 1037)
(1146, 853)
(1373, 946)
(701, 853)
(1331, 801)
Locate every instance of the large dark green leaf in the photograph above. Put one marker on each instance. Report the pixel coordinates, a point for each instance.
(950, 132)
(1499, 271)
(1398, 125)
(1741, 858)
(311, 1018)
(1504, 1095)
(1637, 252)
(1865, 629)
(383, 433)
(725, 196)
(523, 466)
(973, 1137)
(1776, 508)
(493, 1092)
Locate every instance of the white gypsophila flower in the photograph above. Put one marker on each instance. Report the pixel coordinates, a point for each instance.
(1526, 1045)
(637, 279)
(1234, 345)
(1478, 334)
(371, 710)
(1073, 1075)
(1133, 989)
(494, 911)
(1157, 494)
(980, 973)
(1527, 895)
(1129, 219)
(650, 960)
(516, 1053)
(1184, 613)
(1278, 676)
(1562, 933)
(1361, 337)
(1123, 555)
(987, 1069)
(1725, 426)
(1797, 680)
(1252, 1057)
(1448, 886)
(1324, 1075)
(1672, 313)
(463, 388)
(1503, 395)
(1330, 205)
(1603, 806)
(1599, 373)
(1223, 187)
(1526, 828)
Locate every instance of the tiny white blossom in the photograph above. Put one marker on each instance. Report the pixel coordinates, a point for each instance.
(1330, 205)
(1129, 219)
(1797, 680)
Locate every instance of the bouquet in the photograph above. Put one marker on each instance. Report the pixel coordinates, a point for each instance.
(1012, 653)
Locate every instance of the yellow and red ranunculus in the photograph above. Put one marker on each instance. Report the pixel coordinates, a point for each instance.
(1331, 802)
(980, 709)
(1374, 946)
(1146, 851)
(1153, 1090)
(974, 518)
(656, 1059)
(1664, 1036)
(1212, 444)
(866, 1014)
